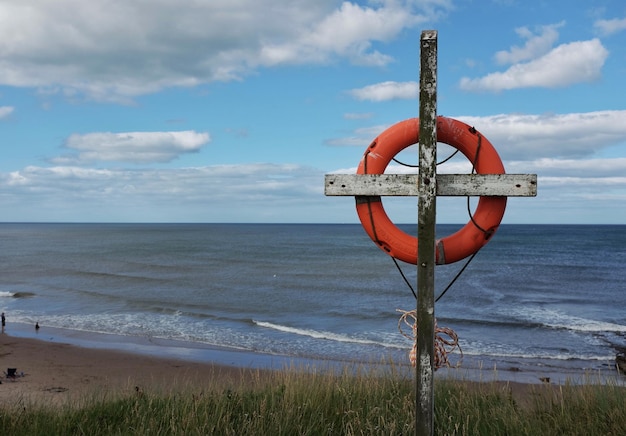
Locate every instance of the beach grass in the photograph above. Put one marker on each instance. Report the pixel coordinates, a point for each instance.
(305, 402)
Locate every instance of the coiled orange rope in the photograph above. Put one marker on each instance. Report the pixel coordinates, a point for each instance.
(446, 340)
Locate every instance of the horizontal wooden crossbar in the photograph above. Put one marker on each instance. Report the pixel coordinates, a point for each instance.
(449, 185)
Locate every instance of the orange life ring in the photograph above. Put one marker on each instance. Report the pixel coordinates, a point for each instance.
(457, 246)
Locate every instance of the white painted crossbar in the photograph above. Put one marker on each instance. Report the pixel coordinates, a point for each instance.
(451, 185)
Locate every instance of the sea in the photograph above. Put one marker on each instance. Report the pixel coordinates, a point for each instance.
(538, 301)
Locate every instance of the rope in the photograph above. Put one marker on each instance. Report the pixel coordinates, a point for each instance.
(456, 277)
(446, 340)
(395, 261)
(404, 164)
(458, 274)
(469, 212)
(474, 161)
(448, 158)
(369, 202)
(469, 209)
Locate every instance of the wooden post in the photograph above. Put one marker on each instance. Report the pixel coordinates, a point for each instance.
(427, 196)
(427, 185)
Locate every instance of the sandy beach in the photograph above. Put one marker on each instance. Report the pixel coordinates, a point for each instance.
(55, 373)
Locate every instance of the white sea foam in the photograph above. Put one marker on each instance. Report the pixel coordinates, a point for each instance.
(559, 320)
(486, 352)
(323, 335)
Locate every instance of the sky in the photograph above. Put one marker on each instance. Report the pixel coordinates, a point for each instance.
(234, 110)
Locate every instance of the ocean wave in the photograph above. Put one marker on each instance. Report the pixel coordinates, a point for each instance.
(535, 356)
(493, 323)
(140, 325)
(316, 334)
(6, 294)
(558, 320)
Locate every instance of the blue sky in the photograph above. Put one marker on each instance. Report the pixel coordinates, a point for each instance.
(233, 110)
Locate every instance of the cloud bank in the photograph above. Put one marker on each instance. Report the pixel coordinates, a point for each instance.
(119, 49)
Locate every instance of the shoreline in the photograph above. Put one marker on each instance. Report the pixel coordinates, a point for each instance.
(165, 348)
(59, 365)
(55, 374)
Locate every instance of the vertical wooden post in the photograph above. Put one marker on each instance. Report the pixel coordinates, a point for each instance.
(427, 195)
(522, 185)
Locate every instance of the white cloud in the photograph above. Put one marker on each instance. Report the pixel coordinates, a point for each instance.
(273, 193)
(357, 116)
(361, 137)
(260, 191)
(565, 65)
(518, 136)
(115, 50)
(529, 137)
(610, 170)
(609, 27)
(536, 45)
(347, 31)
(387, 91)
(5, 111)
(584, 188)
(135, 147)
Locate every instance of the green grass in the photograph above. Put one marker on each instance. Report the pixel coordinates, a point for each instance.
(292, 402)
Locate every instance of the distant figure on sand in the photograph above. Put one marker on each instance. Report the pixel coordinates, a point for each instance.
(4, 321)
(37, 326)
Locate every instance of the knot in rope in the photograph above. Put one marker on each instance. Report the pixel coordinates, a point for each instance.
(446, 339)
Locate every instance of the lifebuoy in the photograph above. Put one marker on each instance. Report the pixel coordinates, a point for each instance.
(457, 246)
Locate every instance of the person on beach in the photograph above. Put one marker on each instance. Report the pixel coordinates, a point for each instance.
(37, 326)
(4, 321)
